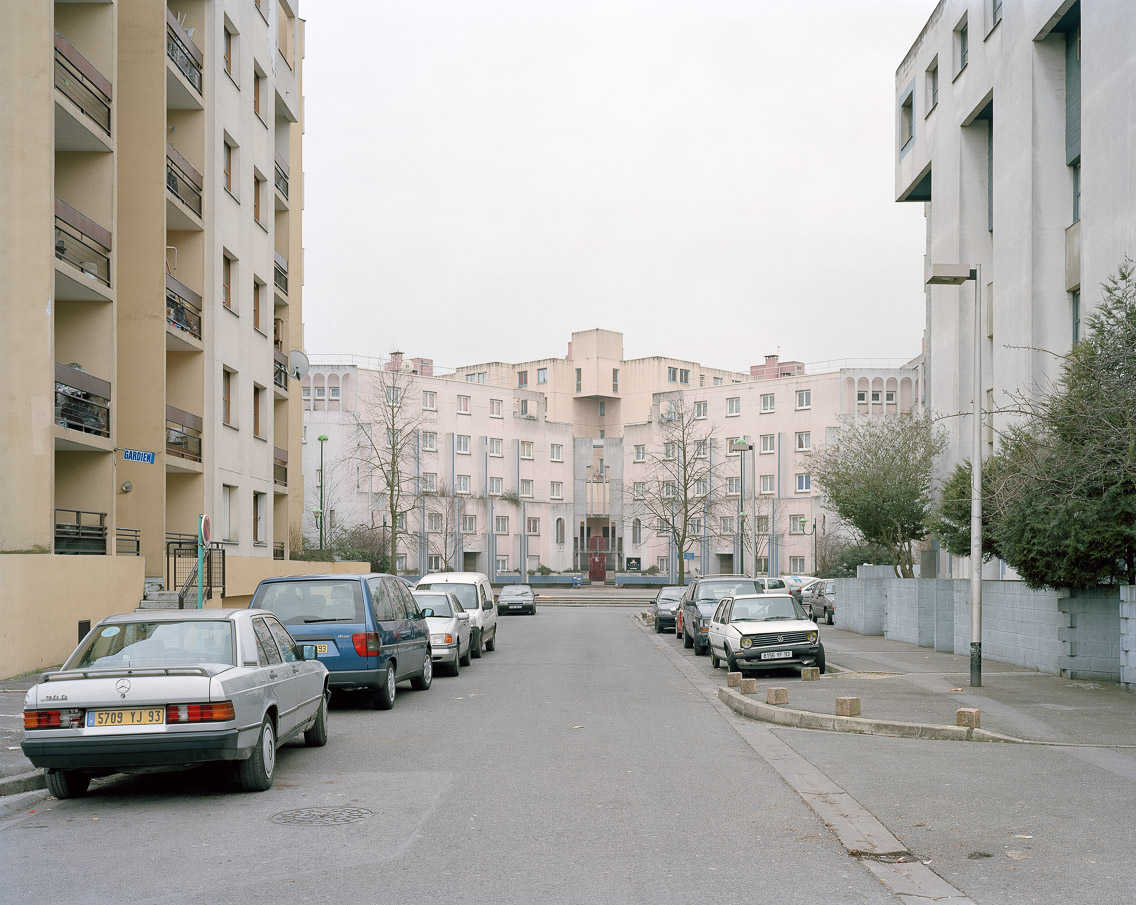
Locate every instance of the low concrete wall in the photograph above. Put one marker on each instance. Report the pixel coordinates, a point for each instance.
(1128, 637)
(244, 573)
(44, 596)
(860, 604)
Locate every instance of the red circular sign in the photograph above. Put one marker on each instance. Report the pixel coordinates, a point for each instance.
(203, 529)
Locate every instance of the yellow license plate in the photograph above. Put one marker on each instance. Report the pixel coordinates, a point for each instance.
(321, 648)
(141, 716)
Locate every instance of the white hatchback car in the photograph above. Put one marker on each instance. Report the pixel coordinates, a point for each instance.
(763, 631)
(475, 594)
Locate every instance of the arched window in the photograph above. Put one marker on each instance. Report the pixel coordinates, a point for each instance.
(560, 531)
(636, 532)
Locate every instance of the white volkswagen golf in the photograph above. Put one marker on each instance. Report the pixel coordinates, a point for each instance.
(763, 631)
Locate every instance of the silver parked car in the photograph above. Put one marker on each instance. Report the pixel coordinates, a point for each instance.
(517, 598)
(449, 628)
(162, 690)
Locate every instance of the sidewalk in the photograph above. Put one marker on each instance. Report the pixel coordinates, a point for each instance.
(905, 683)
(14, 767)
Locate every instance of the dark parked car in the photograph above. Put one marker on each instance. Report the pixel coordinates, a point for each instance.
(516, 598)
(667, 602)
(821, 601)
(704, 594)
(367, 629)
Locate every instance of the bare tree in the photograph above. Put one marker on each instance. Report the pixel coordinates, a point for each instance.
(683, 487)
(443, 511)
(388, 443)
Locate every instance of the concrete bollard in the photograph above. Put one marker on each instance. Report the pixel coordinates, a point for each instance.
(733, 679)
(777, 696)
(847, 706)
(969, 717)
(810, 673)
(749, 686)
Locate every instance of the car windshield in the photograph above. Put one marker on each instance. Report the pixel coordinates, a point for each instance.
(771, 609)
(439, 603)
(465, 593)
(516, 590)
(188, 643)
(716, 590)
(308, 601)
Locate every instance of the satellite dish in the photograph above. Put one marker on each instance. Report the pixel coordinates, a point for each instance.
(297, 364)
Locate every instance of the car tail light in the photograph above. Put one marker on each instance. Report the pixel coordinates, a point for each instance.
(200, 713)
(367, 644)
(53, 719)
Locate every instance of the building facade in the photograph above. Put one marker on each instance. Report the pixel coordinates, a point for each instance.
(151, 174)
(500, 484)
(997, 104)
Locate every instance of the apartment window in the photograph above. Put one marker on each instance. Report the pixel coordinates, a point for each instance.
(730, 451)
(524, 408)
(761, 524)
(875, 397)
(768, 443)
(495, 447)
(461, 444)
(542, 375)
(767, 400)
(434, 562)
(495, 408)
(670, 450)
(461, 483)
(889, 397)
(229, 165)
(229, 513)
(661, 564)
(906, 119)
(717, 381)
(400, 562)
(501, 524)
(661, 528)
(995, 12)
(639, 490)
(733, 406)
(481, 376)
(797, 524)
(962, 45)
(258, 411)
(1076, 192)
(804, 483)
(306, 392)
(321, 392)
(230, 51)
(701, 487)
(700, 449)
(227, 269)
(526, 449)
(637, 532)
(257, 192)
(502, 563)
(640, 453)
(804, 399)
(762, 564)
(556, 452)
(700, 410)
(257, 89)
(1075, 298)
(796, 564)
(556, 490)
(393, 395)
(429, 400)
(684, 376)
(933, 85)
(768, 485)
(522, 378)
(728, 524)
(861, 397)
(532, 526)
(463, 405)
(672, 375)
(469, 524)
(804, 440)
(615, 380)
(429, 441)
(259, 505)
(495, 487)
(258, 311)
(429, 482)
(470, 377)
(733, 486)
(603, 408)
(670, 489)
(228, 397)
(526, 488)
(579, 379)
(433, 521)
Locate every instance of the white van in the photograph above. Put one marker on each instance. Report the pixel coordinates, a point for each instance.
(475, 594)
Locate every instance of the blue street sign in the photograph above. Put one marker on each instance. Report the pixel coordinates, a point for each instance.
(138, 455)
(688, 556)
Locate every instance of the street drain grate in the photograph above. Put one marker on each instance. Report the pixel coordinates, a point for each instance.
(321, 816)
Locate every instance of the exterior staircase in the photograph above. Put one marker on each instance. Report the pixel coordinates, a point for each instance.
(155, 597)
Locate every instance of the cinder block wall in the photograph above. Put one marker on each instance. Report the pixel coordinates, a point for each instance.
(860, 604)
(1128, 637)
(1091, 637)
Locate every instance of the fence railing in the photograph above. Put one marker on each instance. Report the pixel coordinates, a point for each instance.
(183, 307)
(80, 531)
(281, 177)
(280, 272)
(278, 550)
(280, 466)
(183, 434)
(82, 401)
(184, 53)
(128, 541)
(181, 570)
(280, 369)
(82, 84)
(82, 242)
(183, 180)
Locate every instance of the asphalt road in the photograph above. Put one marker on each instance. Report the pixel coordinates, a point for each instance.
(575, 764)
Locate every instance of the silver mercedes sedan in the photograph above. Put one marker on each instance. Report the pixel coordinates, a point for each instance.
(450, 640)
(146, 692)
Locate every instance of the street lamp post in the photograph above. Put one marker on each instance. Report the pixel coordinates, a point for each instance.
(956, 275)
(322, 440)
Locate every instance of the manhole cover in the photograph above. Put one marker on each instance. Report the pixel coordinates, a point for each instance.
(321, 816)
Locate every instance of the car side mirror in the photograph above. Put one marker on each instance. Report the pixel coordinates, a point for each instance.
(427, 612)
(308, 652)
(463, 617)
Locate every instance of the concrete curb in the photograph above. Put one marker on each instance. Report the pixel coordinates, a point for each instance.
(22, 782)
(805, 719)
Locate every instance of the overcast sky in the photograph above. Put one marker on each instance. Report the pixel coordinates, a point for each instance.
(713, 178)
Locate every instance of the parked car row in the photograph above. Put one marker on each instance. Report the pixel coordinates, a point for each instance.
(165, 690)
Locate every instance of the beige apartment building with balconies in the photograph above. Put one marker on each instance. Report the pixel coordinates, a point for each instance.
(151, 185)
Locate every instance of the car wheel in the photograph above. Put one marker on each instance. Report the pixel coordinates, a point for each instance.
(464, 659)
(820, 659)
(687, 641)
(384, 694)
(475, 643)
(658, 628)
(67, 783)
(829, 617)
(316, 737)
(731, 661)
(256, 772)
(715, 660)
(491, 644)
(422, 681)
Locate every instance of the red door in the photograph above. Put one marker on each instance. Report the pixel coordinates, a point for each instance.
(597, 559)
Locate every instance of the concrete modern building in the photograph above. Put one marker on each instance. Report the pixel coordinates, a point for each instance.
(151, 180)
(997, 104)
(551, 459)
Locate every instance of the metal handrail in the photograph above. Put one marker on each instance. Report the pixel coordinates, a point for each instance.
(78, 87)
(181, 311)
(278, 550)
(178, 51)
(128, 541)
(80, 408)
(183, 186)
(280, 272)
(280, 374)
(281, 180)
(82, 251)
(77, 535)
(183, 441)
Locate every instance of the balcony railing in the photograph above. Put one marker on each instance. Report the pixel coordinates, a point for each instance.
(82, 83)
(183, 434)
(128, 541)
(77, 531)
(80, 241)
(183, 307)
(82, 401)
(280, 272)
(280, 466)
(278, 550)
(280, 369)
(183, 180)
(183, 52)
(281, 177)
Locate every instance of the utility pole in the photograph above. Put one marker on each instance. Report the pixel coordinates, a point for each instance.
(322, 440)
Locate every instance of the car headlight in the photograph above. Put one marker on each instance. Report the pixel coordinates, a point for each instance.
(747, 642)
(812, 637)
(442, 638)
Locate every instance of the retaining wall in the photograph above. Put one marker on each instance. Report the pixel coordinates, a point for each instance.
(1128, 637)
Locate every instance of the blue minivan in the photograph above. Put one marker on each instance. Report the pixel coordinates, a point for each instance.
(367, 629)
